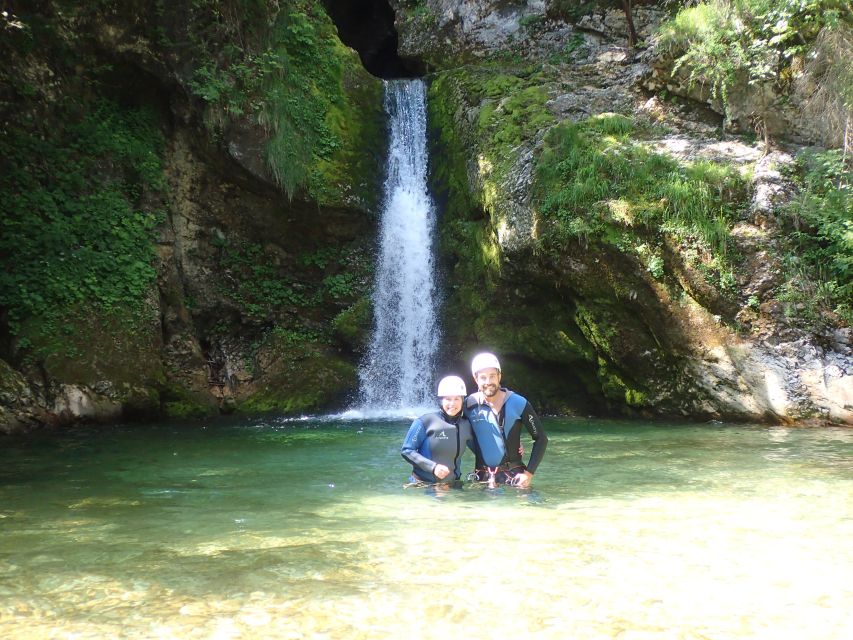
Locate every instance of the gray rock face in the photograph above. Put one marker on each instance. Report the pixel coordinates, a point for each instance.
(771, 189)
(790, 382)
(469, 27)
(19, 406)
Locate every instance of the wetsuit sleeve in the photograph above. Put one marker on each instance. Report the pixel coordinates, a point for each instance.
(414, 439)
(540, 439)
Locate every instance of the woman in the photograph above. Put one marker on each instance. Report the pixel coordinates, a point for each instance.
(435, 441)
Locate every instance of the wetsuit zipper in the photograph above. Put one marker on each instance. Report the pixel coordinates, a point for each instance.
(455, 422)
(500, 416)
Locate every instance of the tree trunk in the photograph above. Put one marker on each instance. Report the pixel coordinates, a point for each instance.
(632, 32)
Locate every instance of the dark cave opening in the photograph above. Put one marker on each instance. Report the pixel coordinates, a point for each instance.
(368, 27)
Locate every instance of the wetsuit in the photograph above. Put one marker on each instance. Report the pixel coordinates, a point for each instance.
(498, 436)
(436, 438)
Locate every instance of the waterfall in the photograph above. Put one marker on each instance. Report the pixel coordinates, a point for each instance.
(397, 372)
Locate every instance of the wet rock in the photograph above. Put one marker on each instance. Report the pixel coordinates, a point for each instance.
(75, 402)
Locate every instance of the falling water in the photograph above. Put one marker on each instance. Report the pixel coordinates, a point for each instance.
(397, 371)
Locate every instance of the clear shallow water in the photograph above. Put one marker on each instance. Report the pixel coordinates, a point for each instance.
(302, 529)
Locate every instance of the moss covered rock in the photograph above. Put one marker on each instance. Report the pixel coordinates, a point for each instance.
(296, 375)
(587, 246)
(181, 182)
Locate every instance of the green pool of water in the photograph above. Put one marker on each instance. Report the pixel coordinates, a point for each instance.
(301, 529)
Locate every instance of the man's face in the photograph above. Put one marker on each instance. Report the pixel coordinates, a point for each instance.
(451, 405)
(488, 381)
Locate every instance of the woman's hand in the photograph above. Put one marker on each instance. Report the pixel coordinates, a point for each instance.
(440, 471)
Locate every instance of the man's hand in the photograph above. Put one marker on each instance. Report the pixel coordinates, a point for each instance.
(440, 471)
(523, 479)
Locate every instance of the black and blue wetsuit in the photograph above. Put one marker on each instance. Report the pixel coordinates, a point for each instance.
(498, 436)
(436, 438)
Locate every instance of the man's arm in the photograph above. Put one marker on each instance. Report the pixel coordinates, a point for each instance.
(540, 439)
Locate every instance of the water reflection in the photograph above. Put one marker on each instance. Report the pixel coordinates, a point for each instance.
(303, 529)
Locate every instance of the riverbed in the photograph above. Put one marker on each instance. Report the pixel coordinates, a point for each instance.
(273, 528)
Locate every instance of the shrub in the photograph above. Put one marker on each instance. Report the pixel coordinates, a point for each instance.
(723, 43)
(74, 232)
(821, 221)
(595, 173)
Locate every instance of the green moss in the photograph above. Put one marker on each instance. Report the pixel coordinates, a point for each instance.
(450, 176)
(177, 409)
(475, 162)
(635, 398)
(75, 235)
(140, 401)
(599, 329)
(179, 401)
(469, 243)
(352, 325)
(509, 109)
(352, 173)
(88, 349)
(619, 390)
(302, 375)
(294, 77)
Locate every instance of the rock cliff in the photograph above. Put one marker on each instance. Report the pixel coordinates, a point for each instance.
(624, 253)
(189, 199)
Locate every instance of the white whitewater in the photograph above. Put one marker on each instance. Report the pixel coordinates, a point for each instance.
(397, 373)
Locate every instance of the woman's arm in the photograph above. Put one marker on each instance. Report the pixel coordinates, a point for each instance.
(411, 445)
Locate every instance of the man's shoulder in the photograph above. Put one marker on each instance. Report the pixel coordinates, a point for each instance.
(472, 401)
(514, 398)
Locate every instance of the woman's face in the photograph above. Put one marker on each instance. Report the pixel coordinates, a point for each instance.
(451, 405)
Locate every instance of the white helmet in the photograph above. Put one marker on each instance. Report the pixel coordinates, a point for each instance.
(451, 386)
(484, 361)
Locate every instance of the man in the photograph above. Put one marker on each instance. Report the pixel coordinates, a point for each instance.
(496, 415)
